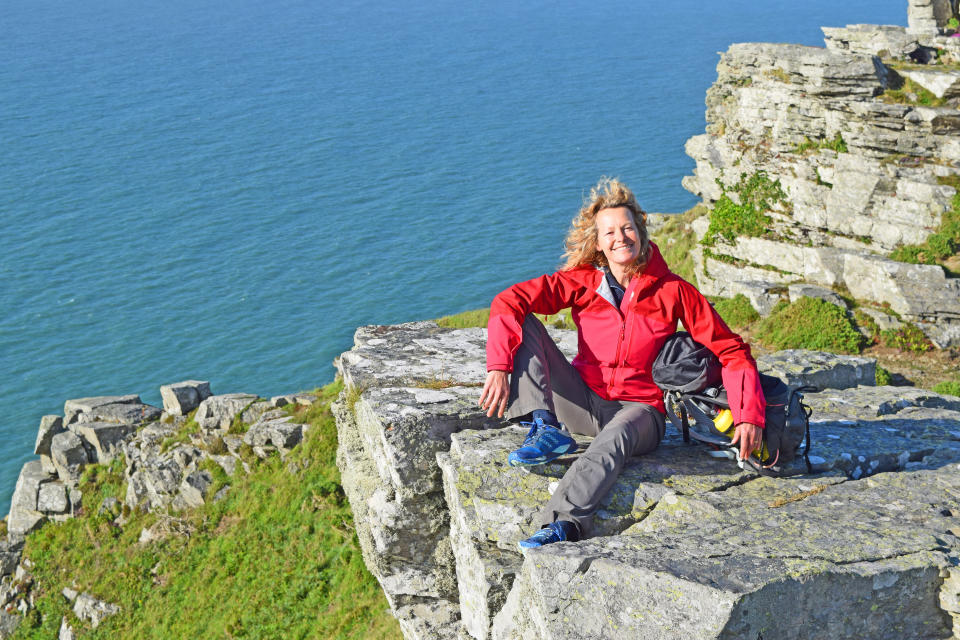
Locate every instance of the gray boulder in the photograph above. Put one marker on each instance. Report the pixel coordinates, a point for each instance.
(49, 427)
(282, 433)
(797, 291)
(105, 439)
(194, 487)
(820, 369)
(66, 632)
(8, 623)
(928, 17)
(52, 498)
(126, 409)
(10, 553)
(181, 398)
(24, 516)
(69, 456)
(217, 412)
(866, 562)
(92, 610)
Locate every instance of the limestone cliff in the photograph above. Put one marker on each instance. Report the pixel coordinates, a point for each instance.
(864, 139)
(689, 546)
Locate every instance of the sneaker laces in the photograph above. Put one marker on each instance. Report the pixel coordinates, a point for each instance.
(537, 427)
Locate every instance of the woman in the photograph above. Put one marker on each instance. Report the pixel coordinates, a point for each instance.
(625, 303)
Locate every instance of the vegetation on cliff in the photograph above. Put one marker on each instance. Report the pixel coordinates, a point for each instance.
(277, 557)
(742, 208)
(943, 245)
(810, 323)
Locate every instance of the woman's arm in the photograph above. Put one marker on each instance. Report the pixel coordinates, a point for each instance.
(545, 295)
(740, 376)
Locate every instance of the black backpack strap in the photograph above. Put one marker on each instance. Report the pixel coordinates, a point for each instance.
(807, 412)
(684, 421)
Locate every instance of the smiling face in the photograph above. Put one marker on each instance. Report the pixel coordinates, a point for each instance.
(617, 236)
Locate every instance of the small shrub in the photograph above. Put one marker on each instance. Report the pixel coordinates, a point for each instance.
(757, 194)
(948, 387)
(883, 377)
(810, 323)
(907, 338)
(218, 447)
(737, 311)
(867, 325)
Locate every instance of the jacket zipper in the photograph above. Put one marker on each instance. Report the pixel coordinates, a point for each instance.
(616, 362)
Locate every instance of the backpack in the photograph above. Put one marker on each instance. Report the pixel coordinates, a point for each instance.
(689, 375)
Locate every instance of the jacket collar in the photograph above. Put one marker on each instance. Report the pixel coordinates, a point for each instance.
(656, 268)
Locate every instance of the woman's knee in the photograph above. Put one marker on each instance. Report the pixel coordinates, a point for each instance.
(641, 428)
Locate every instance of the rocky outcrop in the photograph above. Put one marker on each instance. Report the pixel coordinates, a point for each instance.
(166, 460)
(688, 545)
(863, 173)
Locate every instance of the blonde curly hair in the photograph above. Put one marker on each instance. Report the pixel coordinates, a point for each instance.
(581, 240)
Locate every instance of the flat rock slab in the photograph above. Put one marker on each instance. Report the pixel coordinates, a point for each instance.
(943, 84)
(871, 402)
(801, 367)
(439, 512)
(771, 558)
(416, 353)
(181, 398)
(126, 409)
(24, 516)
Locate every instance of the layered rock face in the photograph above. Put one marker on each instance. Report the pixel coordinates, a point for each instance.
(688, 545)
(862, 174)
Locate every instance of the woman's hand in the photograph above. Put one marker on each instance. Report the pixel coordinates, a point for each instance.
(496, 392)
(749, 436)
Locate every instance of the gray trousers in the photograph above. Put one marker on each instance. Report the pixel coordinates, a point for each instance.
(543, 379)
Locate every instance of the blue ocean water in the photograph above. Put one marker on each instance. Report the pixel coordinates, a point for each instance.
(225, 191)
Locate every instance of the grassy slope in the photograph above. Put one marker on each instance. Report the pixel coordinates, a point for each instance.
(277, 558)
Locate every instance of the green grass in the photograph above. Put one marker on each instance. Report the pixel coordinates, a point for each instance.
(737, 311)
(948, 387)
(940, 245)
(882, 377)
(479, 318)
(867, 324)
(836, 143)
(810, 323)
(465, 319)
(182, 436)
(912, 93)
(677, 240)
(757, 195)
(276, 558)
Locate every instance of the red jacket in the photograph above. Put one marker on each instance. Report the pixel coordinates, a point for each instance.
(617, 349)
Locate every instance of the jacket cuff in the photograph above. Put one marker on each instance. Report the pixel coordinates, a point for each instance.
(745, 396)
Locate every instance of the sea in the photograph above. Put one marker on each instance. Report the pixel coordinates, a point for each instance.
(224, 191)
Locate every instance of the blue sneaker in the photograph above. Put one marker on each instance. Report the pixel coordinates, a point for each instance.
(542, 444)
(559, 531)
